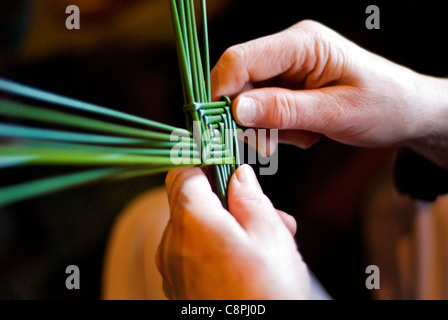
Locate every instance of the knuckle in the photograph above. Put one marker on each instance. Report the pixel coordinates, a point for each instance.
(233, 57)
(310, 25)
(284, 110)
(254, 196)
(180, 203)
(184, 211)
(316, 33)
(182, 182)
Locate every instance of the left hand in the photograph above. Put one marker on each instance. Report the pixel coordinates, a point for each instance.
(210, 253)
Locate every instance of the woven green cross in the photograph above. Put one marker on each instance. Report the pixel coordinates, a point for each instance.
(213, 119)
(216, 133)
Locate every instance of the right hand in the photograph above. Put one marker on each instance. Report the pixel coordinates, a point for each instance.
(309, 80)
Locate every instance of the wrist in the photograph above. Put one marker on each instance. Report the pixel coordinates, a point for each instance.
(430, 138)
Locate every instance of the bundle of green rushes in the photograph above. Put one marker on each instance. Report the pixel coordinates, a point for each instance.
(123, 146)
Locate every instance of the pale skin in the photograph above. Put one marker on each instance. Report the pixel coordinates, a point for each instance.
(306, 81)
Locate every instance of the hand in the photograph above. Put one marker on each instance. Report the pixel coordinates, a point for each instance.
(312, 81)
(208, 253)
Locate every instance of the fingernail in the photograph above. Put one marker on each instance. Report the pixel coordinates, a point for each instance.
(246, 175)
(246, 110)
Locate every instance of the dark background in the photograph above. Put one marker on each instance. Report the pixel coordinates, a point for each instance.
(322, 187)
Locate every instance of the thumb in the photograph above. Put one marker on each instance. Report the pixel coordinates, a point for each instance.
(316, 110)
(252, 208)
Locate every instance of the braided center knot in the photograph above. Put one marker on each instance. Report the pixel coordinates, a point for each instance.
(214, 130)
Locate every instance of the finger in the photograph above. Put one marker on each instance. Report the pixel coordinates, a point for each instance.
(289, 221)
(192, 199)
(186, 186)
(168, 290)
(262, 59)
(300, 54)
(266, 141)
(250, 207)
(262, 140)
(299, 138)
(159, 258)
(163, 265)
(321, 111)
